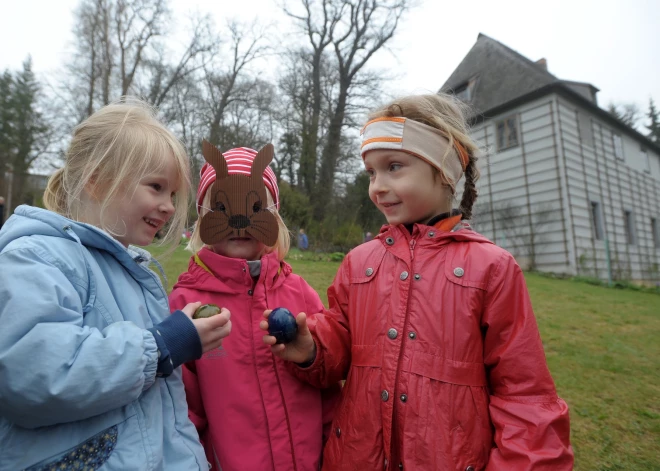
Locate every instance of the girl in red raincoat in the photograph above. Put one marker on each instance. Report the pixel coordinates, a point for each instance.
(430, 323)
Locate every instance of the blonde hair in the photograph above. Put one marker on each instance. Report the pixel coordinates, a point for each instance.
(114, 149)
(282, 245)
(447, 114)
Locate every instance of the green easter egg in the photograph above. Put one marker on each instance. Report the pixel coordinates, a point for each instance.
(206, 310)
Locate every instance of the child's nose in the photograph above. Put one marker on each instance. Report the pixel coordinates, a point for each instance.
(378, 184)
(167, 207)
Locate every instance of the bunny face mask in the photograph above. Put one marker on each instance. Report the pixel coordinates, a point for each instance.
(238, 203)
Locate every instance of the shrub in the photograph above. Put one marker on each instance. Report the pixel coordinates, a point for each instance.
(348, 236)
(337, 257)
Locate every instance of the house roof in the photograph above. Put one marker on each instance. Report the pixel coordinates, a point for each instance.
(500, 73)
(500, 78)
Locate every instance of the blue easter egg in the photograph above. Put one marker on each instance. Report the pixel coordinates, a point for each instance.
(282, 325)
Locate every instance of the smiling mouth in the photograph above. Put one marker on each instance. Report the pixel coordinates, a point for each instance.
(388, 205)
(152, 222)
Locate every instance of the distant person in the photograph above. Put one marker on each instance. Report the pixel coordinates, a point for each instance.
(2, 211)
(432, 328)
(303, 242)
(368, 236)
(84, 314)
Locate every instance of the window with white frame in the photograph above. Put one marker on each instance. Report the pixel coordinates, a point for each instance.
(629, 222)
(655, 231)
(618, 147)
(597, 220)
(645, 160)
(586, 132)
(507, 132)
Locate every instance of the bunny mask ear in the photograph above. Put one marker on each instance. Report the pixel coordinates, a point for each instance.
(238, 202)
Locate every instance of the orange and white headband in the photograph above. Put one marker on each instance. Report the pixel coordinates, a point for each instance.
(418, 139)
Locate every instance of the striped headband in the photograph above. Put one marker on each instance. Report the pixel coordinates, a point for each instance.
(418, 139)
(239, 161)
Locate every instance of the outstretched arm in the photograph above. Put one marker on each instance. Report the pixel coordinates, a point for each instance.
(323, 346)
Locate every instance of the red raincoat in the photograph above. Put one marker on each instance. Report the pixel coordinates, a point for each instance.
(445, 367)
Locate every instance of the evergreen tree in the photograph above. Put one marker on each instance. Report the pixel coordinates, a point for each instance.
(23, 133)
(29, 125)
(6, 127)
(357, 202)
(654, 123)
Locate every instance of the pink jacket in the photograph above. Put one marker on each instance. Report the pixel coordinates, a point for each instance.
(250, 412)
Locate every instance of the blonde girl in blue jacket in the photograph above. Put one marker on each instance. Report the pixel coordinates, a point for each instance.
(89, 354)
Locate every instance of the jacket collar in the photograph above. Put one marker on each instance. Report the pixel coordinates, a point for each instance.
(399, 240)
(446, 229)
(28, 220)
(209, 271)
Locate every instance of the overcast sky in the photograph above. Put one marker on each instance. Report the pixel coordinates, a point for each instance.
(613, 45)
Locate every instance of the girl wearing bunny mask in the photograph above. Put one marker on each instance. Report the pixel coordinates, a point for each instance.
(250, 411)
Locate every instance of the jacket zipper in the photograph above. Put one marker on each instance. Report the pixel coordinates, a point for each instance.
(256, 373)
(286, 413)
(215, 457)
(401, 350)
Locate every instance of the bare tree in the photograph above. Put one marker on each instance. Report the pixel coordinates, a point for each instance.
(318, 21)
(198, 54)
(184, 112)
(90, 63)
(354, 30)
(247, 44)
(120, 49)
(221, 100)
(137, 24)
(306, 109)
(628, 113)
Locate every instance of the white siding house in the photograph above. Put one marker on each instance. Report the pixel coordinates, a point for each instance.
(565, 187)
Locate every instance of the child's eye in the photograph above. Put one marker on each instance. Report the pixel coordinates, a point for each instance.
(156, 186)
(370, 172)
(394, 167)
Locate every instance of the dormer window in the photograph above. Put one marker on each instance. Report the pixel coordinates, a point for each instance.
(465, 91)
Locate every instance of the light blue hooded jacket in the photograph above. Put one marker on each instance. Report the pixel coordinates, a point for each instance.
(77, 363)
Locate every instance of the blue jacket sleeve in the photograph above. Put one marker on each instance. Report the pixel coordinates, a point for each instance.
(54, 369)
(178, 342)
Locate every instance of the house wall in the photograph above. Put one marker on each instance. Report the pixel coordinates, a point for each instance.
(595, 174)
(520, 205)
(535, 199)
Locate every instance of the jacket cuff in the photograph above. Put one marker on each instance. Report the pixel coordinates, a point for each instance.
(178, 342)
(309, 363)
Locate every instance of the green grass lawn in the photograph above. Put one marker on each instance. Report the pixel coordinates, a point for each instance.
(603, 348)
